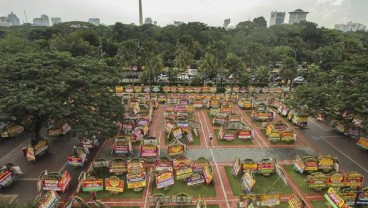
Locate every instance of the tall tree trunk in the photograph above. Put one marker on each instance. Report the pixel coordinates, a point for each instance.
(39, 122)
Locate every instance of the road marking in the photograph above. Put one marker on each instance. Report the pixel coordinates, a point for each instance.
(15, 149)
(62, 167)
(222, 184)
(11, 196)
(207, 127)
(148, 186)
(205, 140)
(319, 126)
(337, 149)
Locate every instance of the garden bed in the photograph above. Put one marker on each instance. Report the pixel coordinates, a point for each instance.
(104, 173)
(263, 184)
(319, 204)
(181, 186)
(299, 180)
(195, 142)
(263, 131)
(258, 124)
(232, 142)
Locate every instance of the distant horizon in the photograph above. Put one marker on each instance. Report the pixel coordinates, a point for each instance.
(325, 13)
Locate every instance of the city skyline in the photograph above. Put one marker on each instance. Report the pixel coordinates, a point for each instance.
(325, 13)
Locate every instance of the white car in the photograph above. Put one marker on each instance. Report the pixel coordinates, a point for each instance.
(183, 76)
(299, 79)
(163, 77)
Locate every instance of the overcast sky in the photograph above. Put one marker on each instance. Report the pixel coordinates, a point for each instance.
(211, 12)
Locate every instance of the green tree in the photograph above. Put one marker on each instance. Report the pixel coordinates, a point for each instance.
(73, 44)
(183, 57)
(289, 70)
(209, 66)
(262, 74)
(260, 22)
(234, 64)
(128, 53)
(36, 86)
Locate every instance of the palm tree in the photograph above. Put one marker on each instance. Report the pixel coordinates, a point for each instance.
(128, 53)
(234, 64)
(183, 57)
(289, 70)
(209, 65)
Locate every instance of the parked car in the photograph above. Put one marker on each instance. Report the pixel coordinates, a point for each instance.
(276, 79)
(183, 76)
(299, 79)
(163, 77)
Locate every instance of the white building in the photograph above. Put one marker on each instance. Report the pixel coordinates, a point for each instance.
(297, 16)
(43, 21)
(55, 20)
(95, 21)
(277, 18)
(10, 20)
(350, 27)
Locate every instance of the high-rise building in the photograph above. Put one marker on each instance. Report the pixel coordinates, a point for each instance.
(140, 13)
(95, 21)
(350, 27)
(43, 21)
(155, 23)
(277, 18)
(227, 22)
(55, 20)
(148, 20)
(13, 19)
(297, 16)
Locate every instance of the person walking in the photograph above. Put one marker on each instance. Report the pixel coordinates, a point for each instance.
(210, 137)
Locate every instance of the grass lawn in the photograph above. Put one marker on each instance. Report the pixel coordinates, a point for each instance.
(257, 123)
(211, 119)
(263, 131)
(319, 204)
(127, 194)
(196, 140)
(194, 143)
(299, 180)
(104, 173)
(263, 184)
(181, 186)
(233, 142)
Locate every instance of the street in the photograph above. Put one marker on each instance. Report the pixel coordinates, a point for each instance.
(24, 188)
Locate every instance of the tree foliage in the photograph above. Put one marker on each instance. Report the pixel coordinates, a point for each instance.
(37, 86)
(68, 53)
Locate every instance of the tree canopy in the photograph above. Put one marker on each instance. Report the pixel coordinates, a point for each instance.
(58, 71)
